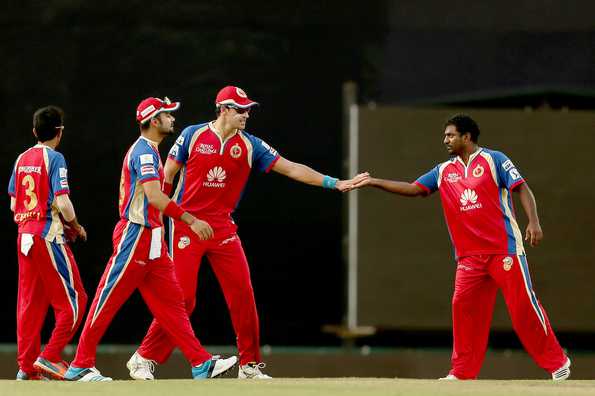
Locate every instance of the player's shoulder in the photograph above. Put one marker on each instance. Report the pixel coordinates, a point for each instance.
(192, 129)
(496, 155)
(248, 136)
(444, 164)
(55, 157)
(142, 147)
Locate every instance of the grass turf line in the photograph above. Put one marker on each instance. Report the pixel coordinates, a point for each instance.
(301, 387)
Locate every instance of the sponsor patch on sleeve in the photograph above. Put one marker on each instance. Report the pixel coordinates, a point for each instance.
(146, 159)
(180, 140)
(174, 150)
(63, 172)
(147, 170)
(507, 165)
(514, 174)
(269, 148)
(64, 183)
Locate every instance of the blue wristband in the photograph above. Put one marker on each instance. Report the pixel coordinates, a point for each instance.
(329, 182)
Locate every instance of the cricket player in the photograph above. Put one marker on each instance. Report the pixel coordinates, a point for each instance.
(475, 187)
(48, 274)
(140, 259)
(215, 160)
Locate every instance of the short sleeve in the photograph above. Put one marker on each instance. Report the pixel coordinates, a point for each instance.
(264, 156)
(59, 175)
(508, 175)
(179, 151)
(11, 184)
(429, 180)
(145, 164)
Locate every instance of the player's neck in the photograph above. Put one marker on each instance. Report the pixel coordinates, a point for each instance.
(222, 129)
(49, 143)
(152, 135)
(467, 153)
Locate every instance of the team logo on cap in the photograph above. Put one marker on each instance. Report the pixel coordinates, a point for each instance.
(507, 263)
(183, 242)
(478, 171)
(235, 151)
(241, 93)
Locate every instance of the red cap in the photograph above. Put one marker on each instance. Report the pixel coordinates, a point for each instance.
(150, 107)
(234, 96)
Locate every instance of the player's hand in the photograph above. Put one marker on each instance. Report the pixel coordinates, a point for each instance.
(82, 233)
(361, 180)
(70, 233)
(202, 229)
(348, 185)
(533, 234)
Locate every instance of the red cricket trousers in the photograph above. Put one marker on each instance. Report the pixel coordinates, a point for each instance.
(48, 276)
(477, 281)
(230, 266)
(129, 269)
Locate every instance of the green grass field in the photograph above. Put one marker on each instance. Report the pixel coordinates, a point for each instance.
(301, 387)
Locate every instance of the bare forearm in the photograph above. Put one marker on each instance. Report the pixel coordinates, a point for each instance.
(66, 208)
(170, 170)
(529, 204)
(305, 174)
(158, 200)
(397, 187)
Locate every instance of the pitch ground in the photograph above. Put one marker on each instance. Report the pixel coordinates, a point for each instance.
(300, 387)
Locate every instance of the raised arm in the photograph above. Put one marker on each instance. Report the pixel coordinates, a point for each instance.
(533, 234)
(307, 175)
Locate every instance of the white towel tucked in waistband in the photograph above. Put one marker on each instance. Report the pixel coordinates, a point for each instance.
(26, 243)
(156, 237)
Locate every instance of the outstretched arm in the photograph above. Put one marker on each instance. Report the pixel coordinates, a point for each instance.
(533, 234)
(393, 186)
(307, 175)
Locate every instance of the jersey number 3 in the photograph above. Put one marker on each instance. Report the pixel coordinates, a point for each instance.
(29, 183)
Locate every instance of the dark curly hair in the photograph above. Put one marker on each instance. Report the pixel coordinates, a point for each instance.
(464, 124)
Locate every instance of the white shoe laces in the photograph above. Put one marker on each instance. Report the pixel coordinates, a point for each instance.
(253, 370)
(143, 363)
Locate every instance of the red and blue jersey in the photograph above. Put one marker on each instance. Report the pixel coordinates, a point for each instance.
(215, 171)
(142, 163)
(477, 202)
(39, 176)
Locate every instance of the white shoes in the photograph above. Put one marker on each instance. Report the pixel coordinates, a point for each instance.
(563, 372)
(252, 371)
(141, 368)
(449, 377)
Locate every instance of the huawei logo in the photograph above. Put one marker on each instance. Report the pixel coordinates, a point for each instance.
(217, 173)
(468, 196)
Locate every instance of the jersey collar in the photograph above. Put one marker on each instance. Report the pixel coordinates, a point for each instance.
(471, 157)
(40, 145)
(151, 142)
